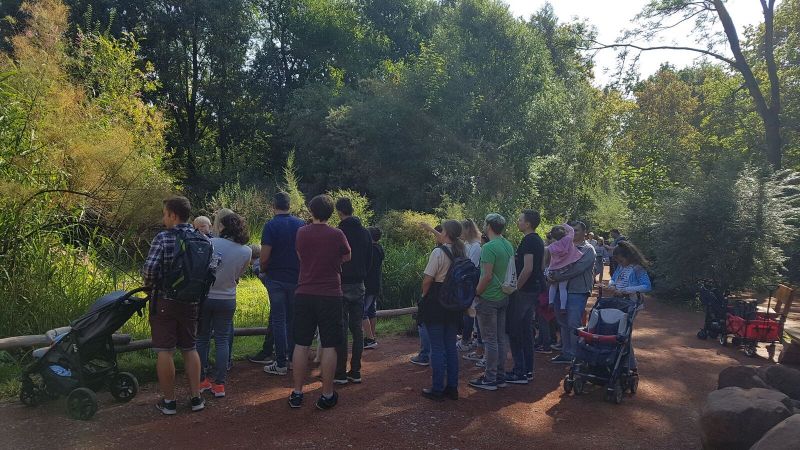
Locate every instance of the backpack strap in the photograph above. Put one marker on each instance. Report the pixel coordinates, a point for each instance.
(447, 252)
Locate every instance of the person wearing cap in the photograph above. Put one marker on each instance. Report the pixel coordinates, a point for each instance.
(492, 302)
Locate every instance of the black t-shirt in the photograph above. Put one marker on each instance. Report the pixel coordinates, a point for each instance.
(531, 244)
(372, 284)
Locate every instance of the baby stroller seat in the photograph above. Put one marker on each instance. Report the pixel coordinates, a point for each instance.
(83, 360)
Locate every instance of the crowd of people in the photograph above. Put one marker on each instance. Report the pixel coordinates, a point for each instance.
(324, 282)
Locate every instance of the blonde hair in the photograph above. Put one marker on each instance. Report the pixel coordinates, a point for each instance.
(201, 219)
(471, 231)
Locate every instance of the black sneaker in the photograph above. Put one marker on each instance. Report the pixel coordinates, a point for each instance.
(543, 349)
(514, 379)
(482, 383)
(167, 408)
(340, 380)
(261, 358)
(198, 404)
(451, 393)
(430, 394)
(370, 343)
(296, 400)
(327, 403)
(354, 377)
(561, 359)
(529, 376)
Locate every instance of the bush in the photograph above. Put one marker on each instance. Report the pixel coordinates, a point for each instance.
(249, 202)
(402, 227)
(402, 273)
(361, 208)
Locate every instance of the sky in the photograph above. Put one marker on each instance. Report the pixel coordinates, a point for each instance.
(611, 17)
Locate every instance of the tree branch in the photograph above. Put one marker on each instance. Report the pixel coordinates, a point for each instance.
(664, 47)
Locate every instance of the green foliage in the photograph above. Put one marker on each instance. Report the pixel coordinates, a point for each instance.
(402, 272)
(361, 208)
(402, 227)
(291, 185)
(249, 202)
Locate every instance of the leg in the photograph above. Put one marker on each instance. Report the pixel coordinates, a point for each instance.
(356, 306)
(436, 333)
(300, 363)
(451, 356)
(277, 318)
(527, 336)
(373, 323)
(204, 336)
(223, 318)
(576, 305)
(230, 345)
(502, 337)
(514, 328)
(469, 325)
(341, 349)
(487, 318)
(191, 363)
(424, 343)
(328, 367)
(543, 338)
(165, 367)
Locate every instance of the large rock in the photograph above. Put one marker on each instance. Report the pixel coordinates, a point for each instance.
(745, 377)
(736, 418)
(782, 378)
(783, 436)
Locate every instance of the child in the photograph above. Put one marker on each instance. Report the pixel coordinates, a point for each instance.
(372, 288)
(561, 254)
(203, 225)
(602, 257)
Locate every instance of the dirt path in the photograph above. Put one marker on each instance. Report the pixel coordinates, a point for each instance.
(386, 411)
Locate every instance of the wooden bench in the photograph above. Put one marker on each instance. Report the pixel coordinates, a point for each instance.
(784, 300)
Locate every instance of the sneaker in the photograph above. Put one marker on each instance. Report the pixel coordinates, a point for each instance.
(198, 404)
(205, 385)
(354, 377)
(420, 361)
(514, 379)
(481, 363)
(327, 403)
(295, 400)
(275, 370)
(543, 349)
(472, 356)
(501, 381)
(561, 359)
(261, 358)
(167, 408)
(482, 383)
(462, 347)
(556, 347)
(370, 343)
(218, 390)
(340, 380)
(430, 394)
(451, 393)
(529, 376)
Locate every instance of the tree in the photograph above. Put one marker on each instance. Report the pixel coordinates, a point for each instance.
(660, 15)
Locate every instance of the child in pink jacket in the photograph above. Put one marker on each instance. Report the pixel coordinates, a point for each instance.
(561, 254)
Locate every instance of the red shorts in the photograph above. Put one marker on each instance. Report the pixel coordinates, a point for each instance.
(173, 324)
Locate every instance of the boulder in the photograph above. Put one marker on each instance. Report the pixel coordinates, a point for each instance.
(782, 378)
(745, 377)
(736, 418)
(783, 436)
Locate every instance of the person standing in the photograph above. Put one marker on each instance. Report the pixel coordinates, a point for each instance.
(280, 269)
(616, 238)
(321, 250)
(580, 280)
(523, 303)
(216, 313)
(423, 358)
(471, 236)
(492, 303)
(174, 304)
(354, 272)
(442, 325)
(372, 288)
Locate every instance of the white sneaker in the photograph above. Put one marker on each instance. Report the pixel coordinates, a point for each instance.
(275, 370)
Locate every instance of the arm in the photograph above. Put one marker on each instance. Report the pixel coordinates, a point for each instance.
(263, 259)
(427, 227)
(527, 269)
(643, 283)
(486, 277)
(427, 281)
(582, 265)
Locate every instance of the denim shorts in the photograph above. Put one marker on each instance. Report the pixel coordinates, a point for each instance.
(370, 305)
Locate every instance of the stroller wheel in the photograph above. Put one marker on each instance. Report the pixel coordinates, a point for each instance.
(81, 404)
(702, 334)
(124, 386)
(750, 350)
(633, 384)
(723, 339)
(619, 392)
(579, 386)
(28, 395)
(568, 384)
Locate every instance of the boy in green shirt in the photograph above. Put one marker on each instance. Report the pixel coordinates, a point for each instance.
(492, 303)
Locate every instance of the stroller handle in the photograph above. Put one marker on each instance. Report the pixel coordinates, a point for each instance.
(130, 294)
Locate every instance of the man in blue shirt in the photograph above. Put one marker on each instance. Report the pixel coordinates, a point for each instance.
(280, 269)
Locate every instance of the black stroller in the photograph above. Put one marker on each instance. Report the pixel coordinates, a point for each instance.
(83, 360)
(716, 307)
(603, 349)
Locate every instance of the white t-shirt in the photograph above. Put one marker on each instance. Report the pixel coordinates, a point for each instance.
(473, 250)
(438, 265)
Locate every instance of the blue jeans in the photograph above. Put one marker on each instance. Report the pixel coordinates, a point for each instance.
(444, 356)
(570, 319)
(215, 316)
(352, 313)
(469, 327)
(521, 308)
(424, 343)
(281, 299)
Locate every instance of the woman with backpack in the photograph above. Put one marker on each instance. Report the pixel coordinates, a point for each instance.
(629, 279)
(442, 324)
(216, 312)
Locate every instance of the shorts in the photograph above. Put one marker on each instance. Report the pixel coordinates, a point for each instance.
(316, 311)
(370, 304)
(174, 324)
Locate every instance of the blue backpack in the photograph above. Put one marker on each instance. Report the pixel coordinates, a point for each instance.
(458, 289)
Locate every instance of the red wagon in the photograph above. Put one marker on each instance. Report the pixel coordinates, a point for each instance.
(747, 327)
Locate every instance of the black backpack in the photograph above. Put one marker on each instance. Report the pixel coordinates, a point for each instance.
(191, 275)
(458, 290)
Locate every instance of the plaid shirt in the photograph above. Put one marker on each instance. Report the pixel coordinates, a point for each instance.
(160, 257)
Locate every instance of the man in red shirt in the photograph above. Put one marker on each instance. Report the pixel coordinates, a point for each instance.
(321, 250)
